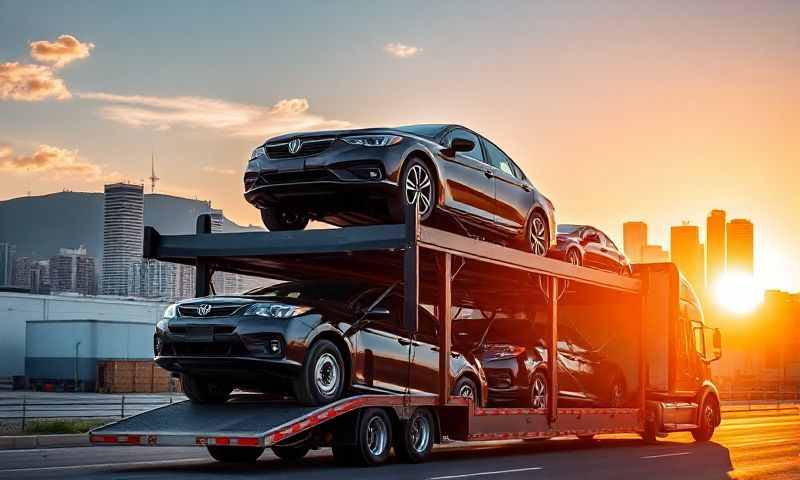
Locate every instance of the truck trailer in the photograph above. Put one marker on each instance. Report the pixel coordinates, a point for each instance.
(651, 324)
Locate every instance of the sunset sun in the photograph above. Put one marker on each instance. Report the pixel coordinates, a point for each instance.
(738, 293)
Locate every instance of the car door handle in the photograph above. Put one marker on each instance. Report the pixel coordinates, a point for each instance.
(403, 341)
(604, 250)
(488, 173)
(525, 187)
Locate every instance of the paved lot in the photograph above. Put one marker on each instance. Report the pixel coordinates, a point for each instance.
(749, 447)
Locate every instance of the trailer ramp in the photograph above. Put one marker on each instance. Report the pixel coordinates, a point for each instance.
(245, 420)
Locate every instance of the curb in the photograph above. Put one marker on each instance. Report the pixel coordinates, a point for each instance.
(44, 441)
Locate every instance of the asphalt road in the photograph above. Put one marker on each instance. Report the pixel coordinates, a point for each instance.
(753, 446)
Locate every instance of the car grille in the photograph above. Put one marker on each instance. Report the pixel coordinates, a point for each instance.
(194, 331)
(216, 349)
(216, 310)
(319, 175)
(308, 148)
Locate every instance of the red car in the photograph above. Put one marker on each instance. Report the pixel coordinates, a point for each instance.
(588, 246)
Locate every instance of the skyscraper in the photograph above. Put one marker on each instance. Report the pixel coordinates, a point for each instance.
(740, 246)
(72, 270)
(7, 254)
(654, 254)
(123, 225)
(716, 246)
(634, 238)
(687, 253)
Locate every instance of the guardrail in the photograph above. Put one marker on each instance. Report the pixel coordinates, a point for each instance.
(27, 409)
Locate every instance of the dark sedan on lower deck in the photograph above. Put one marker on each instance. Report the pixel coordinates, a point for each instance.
(315, 340)
(457, 178)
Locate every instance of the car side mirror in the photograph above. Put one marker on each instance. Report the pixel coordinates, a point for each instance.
(378, 313)
(717, 344)
(461, 145)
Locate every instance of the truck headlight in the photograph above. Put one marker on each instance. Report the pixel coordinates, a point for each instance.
(373, 140)
(276, 310)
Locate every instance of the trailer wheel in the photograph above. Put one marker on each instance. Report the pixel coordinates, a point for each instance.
(373, 438)
(235, 454)
(708, 421)
(202, 390)
(290, 452)
(415, 439)
(322, 378)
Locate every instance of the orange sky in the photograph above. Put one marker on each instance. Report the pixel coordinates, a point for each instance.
(617, 111)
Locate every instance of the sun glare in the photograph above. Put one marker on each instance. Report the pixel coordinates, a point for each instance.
(738, 293)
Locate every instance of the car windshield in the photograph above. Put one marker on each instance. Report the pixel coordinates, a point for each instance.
(567, 228)
(427, 130)
(336, 291)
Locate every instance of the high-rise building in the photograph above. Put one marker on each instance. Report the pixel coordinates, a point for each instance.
(73, 271)
(654, 254)
(22, 271)
(123, 226)
(184, 281)
(740, 246)
(152, 279)
(7, 254)
(686, 251)
(40, 277)
(716, 246)
(634, 239)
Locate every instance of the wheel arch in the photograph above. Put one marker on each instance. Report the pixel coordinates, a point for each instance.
(538, 207)
(476, 379)
(424, 155)
(709, 392)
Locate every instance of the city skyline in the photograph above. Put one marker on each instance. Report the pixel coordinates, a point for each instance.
(572, 92)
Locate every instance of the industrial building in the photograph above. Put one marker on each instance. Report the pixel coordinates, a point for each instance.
(47, 338)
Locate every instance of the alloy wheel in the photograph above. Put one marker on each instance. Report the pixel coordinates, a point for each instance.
(420, 432)
(574, 258)
(539, 392)
(466, 392)
(538, 235)
(326, 374)
(419, 189)
(377, 436)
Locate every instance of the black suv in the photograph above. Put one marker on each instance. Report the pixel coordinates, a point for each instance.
(456, 177)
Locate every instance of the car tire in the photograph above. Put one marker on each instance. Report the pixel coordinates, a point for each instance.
(322, 377)
(373, 438)
(280, 219)
(227, 454)
(415, 437)
(466, 387)
(574, 257)
(538, 390)
(538, 234)
(417, 181)
(707, 421)
(616, 394)
(203, 390)
(290, 452)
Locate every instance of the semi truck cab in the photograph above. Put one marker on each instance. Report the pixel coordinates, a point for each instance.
(679, 349)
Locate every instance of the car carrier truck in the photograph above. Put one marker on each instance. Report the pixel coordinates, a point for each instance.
(664, 346)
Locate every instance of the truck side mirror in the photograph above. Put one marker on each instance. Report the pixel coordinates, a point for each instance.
(717, 344)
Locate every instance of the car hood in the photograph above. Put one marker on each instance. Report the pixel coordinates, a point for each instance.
(337, 133)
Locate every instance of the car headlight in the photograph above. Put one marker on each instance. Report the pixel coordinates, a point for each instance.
(161, 326)
(276, 310)
(258, 152)
(169, 312)
(373, 140)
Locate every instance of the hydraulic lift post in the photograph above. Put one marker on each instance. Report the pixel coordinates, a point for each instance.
(552, 349)
(202, 280)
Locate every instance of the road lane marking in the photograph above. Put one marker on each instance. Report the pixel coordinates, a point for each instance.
(667, 455)
(105, 465)
(465, 475)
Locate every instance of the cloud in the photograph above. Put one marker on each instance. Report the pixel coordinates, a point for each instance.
(64, 50)
(46, 158)
(30, 83)
(400, 50)
(231, 118)
(219, 171)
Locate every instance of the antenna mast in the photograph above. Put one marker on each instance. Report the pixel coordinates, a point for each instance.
(153, 178)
